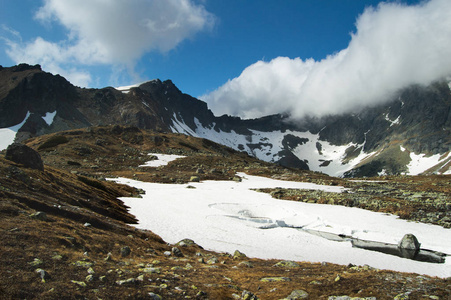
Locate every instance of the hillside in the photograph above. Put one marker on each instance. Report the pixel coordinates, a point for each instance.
(66, 235)
(409, 135)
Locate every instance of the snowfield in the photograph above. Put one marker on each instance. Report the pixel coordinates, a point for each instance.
(225, 216)
(7, 135)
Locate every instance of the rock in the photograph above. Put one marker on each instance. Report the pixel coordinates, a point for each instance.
(176, 252)
(275, 279)
(350, 298)
(129, 281)
(155, 296)
(24, 155)
(287, 264)
(39, 216)
(200, 171)
(79, 283)
(89, 278)
(409, 241)
(109, 257)
(212, 261)
(84, 264)
(297, 294)
(409, 246)
(152, 270)
(36, 262)
(403, 296)
(43, 274)
(125, 251)
(185, 242)
(194, 179)
(246, 264)
(237, 179)
(246, 295)
(237, 255)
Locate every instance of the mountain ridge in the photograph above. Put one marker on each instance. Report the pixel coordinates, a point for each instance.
(412, 130)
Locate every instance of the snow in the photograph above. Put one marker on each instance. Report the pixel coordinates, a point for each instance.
(7, 135)
(126, 89)
(420, 163)
(395, 122)
(163, 160)
(48, 118)
(225, 216)
(270, 144)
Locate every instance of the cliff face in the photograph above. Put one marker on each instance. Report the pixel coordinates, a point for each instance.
(384, 139)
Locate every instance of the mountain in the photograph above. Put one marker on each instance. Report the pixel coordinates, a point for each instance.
(408, 135)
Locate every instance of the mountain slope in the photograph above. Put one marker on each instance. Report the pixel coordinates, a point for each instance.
(409, 135)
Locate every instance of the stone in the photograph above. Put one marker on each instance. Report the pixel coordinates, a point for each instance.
(129, 281)
(185, 242)
(409, 246)
(297, 294)
(176, 252)
(212, 261)
(89, 278)
(409, 241)
(125, 251)
(275, 279)
(194, 179)
(39, 215)
(237, 255)
(109, 257)
(84, 264)
(287, 264)
(155, 296)
(36, 262)
(246, 295)
(246, 264)
(79, 283)
(24, 155)
(350, 298)
(43, 274)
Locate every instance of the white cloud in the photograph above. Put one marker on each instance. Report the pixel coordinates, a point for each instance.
(395, 45)
(111, 32)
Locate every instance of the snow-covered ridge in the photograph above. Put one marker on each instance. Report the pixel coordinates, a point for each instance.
(225, 216)
(126, 89)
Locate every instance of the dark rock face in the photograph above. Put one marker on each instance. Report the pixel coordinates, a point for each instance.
(24, 155)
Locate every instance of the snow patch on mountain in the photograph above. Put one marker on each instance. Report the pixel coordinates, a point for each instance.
(267, 146)
(420, 163)
(161, 160)
(49, 117)
(7, 135)
(126, 89)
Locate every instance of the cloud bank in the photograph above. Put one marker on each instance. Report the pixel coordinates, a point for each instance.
(394, 45)
(109, 33)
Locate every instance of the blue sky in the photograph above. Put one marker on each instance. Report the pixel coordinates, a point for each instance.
(214, 49)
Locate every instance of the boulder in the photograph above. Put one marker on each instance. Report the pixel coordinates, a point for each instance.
(409, 246)
(24, 155)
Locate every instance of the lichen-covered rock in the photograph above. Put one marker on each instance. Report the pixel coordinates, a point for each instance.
(275, 279)
(287, 264)
(297, 294)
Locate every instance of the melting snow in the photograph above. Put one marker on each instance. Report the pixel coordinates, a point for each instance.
(7, 135)
(224, 216)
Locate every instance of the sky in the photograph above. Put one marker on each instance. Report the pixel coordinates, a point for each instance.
(247, 58)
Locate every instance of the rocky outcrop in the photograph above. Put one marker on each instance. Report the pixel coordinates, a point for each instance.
(25, 156)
